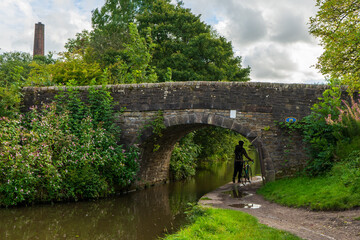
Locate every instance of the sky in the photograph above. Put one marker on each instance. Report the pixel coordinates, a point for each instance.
(271, 36)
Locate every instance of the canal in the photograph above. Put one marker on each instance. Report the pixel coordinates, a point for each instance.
(141, 215)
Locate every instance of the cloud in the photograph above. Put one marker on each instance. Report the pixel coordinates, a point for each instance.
(271, 36)
(241, 24)
(290, 28)
(270, 62)
(13, 29)
(62, 19)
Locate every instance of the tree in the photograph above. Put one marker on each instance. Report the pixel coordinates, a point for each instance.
(186, 49)
(337, 24)
(14, 70)
(135, 68)
(188, 46)
(111, 30)
(70, 67)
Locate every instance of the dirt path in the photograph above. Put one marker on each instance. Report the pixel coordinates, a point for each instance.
(301, 222)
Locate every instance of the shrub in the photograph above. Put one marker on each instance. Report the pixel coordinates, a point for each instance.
(42, 158)
(183, 158)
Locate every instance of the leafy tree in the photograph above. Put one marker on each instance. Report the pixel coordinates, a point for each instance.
(136, 66)
(189, 46)
(80, 43)
(111, 30)
(71, 66)
(117, 14)
(337, 24)
(14, 69)
(184, 48)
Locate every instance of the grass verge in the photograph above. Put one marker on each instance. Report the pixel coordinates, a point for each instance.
(228, 224)
(319, 193)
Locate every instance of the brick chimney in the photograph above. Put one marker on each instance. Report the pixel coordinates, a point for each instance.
(39, 39)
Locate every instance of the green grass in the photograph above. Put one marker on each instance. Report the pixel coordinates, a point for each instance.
(331, 192)
(228, 224)
(205, 198)
(357, 219)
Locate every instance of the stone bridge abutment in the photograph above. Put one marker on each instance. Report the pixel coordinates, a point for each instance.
(250, 109)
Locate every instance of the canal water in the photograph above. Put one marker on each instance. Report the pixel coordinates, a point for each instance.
(145, 214)
(141, 215)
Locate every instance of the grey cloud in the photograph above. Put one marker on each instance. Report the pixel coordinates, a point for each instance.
(270, 62)
(238, 22)
(245, 25)
(290, 28)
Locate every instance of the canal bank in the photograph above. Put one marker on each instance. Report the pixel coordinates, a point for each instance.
(301, 222)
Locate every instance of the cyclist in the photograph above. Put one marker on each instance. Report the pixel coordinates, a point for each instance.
(239, 161)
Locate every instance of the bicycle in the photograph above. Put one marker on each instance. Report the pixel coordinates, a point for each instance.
(247, 173)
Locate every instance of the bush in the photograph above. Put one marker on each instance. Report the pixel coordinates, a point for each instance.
(183, 158)
(14, 69)
(43, 159)
(348, 171)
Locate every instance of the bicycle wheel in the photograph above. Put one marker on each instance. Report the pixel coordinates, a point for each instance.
(245, 175)
(249, 173)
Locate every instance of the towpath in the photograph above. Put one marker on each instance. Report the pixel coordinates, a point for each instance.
(314, 225)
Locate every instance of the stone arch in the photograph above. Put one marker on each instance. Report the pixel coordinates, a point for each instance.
(155, 164)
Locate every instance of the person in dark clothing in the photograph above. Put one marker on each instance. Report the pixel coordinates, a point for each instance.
(239, 161)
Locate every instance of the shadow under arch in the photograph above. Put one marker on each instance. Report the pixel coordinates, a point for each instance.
(155, 162)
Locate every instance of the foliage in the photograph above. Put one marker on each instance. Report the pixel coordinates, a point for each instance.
(217, 144)
(346, 146)
(194, 211)
(349, 119)
(228, 224)
(348, 171)
(14, 69)
(188, 46)
(184, 157)
(44, 158)
(156, 126)
(337, 25)
(79, 44)
(105, 43)
(135, 68)
(71, 66)
(118, 13)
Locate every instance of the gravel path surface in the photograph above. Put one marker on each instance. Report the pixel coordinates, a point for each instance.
(314, 225)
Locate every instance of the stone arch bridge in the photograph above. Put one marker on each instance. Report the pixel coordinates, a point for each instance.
(250, 109)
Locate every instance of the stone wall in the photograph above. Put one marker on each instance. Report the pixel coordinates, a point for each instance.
(188, 106)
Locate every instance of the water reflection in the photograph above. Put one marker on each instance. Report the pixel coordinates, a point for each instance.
(247, 205)
(236, 192)
(139, 215)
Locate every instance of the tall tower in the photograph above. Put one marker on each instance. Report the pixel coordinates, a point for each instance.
(39, 39)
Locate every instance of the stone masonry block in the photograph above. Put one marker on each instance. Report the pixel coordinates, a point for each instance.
(218, 120)
(227, 123)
